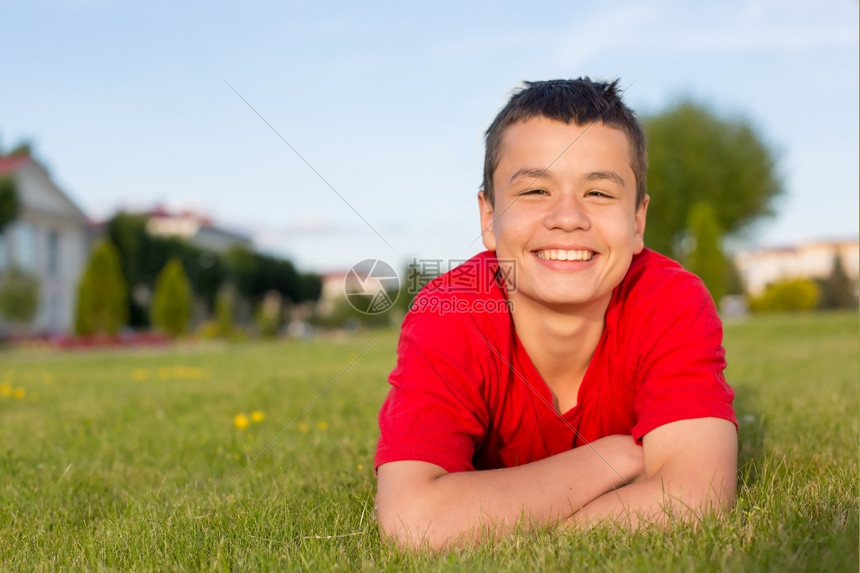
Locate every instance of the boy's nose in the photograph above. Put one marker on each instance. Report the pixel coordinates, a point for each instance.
(568, 214)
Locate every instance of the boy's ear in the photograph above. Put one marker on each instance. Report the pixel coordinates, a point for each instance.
(639, 225)
(487, 233)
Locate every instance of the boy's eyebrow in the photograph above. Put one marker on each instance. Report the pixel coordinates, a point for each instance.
(531, 173)
(610, 175)
(534, 173)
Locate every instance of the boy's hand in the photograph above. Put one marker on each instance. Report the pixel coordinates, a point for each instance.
(420, 503)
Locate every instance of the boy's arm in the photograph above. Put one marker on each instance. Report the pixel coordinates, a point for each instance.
(690, 470)
(420, 503)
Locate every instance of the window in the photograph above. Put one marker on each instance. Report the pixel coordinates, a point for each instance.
(53, 253)
(24, 245)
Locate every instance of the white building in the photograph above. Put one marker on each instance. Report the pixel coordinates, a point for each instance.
(49, 239)
(197, 230)
(760, 267)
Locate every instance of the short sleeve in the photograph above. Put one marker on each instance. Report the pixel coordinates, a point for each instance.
(681, 366)
(434, 411)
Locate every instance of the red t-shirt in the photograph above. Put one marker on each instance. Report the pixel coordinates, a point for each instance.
(465, 394)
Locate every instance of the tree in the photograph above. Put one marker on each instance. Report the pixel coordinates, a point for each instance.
(706, 258)
(143, 256)
(102, 294)
(224, 312)
(310, 287)
(837, 290)
(9, 204)
(696, 156)
(171, 303)
(19, 296)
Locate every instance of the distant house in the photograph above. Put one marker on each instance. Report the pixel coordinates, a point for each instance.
(761, 267)
(49, 239)
(332, 292)
(196, 229)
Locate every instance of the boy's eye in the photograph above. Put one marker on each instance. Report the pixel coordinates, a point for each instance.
(533, 192)
(599, 194)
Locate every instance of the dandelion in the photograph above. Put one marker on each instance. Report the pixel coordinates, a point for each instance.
(257, 416)
(322, 426)
(360, 466)
(5, 390)
(241, 421)
(303, 427)
(140, 374)
(195, 373)
(19, 393)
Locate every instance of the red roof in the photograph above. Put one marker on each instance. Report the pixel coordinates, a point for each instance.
(12, 163)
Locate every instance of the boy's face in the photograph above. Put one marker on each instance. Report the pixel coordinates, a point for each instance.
(573, 229)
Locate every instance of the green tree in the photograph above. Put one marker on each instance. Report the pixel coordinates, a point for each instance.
(705, 257)
(696, 156)
(837, 290)
(143, 256)
(224, 312)
(171, 302)
(310, 287)
(9, 204)
(19, 296)
(102, 294)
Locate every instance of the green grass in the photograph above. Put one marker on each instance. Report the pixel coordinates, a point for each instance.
(124, 461)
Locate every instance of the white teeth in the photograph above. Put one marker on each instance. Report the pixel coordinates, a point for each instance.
(562, 255)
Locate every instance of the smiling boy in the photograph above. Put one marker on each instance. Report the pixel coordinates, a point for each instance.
(596, 391)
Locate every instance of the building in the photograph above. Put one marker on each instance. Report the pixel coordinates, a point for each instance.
(760, 267)
(198, 230)
(49, 239)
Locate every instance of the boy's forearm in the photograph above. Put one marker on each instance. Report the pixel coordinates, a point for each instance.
(691, 470)
(656, 501)
(459, 507)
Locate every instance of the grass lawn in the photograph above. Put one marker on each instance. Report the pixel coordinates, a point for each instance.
(128, 460)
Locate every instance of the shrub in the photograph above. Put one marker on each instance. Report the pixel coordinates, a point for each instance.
(270, 315)
(790, 295)
(171, 303)
(19, 296)
(102, 294)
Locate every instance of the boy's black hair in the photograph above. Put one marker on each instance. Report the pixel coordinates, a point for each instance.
(580, 101)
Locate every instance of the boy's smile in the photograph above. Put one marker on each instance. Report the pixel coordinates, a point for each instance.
(565, 211)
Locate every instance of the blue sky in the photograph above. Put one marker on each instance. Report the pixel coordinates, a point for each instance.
(128, 105)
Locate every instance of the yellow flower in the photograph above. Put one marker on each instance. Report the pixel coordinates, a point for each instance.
(257, 416)
(360, 466)
(140, 374)
(241, 421)
(195, 373)
(19, 393)
(5, 390)
(303, 427)
(322, 426)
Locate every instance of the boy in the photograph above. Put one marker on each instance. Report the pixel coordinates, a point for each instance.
(595, 390)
